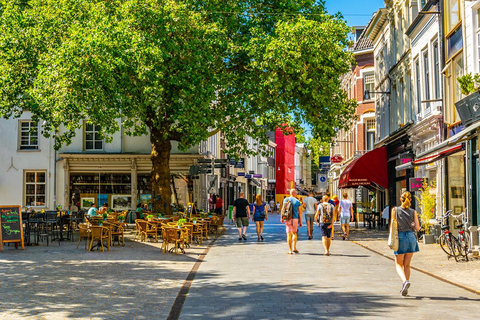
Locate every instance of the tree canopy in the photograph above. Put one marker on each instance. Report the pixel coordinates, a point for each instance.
(176, 70)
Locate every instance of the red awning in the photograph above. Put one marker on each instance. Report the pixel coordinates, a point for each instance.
(368, 170)
(438, 156)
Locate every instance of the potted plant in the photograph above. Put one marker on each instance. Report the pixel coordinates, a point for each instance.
(150, 217)
(121, 218)
(99, 223)
(181, 222)
(105, 215)
(427, 202)
(469, 83)
(194, 220)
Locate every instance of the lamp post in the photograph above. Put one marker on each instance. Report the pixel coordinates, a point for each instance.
(367, 93)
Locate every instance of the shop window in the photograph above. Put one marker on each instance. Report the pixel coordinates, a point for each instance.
(35, 188)
(456, 182)
(93, 138)
(28, 135)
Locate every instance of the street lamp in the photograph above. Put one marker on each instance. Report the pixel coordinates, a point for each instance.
(366, 94)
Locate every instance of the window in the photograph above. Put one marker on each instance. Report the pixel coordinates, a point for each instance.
(28, 135)
(436, 69)
(35, 188)
(93, 138)
(452, 10)
(426, 78)
(454, 43)
(419, 88)
(369, 82)
(370, 134)
(478, 39)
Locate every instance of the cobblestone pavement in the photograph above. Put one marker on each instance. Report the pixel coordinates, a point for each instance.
(431, 258)
(260, 281)
(61, 282)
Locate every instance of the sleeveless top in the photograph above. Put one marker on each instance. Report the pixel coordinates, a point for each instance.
(405, 218)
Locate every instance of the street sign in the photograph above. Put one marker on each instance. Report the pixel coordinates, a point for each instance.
(323, 159)
(194, 170)
(204, 160)
(336, 159)
(248, 176)
(240, 164)
(258, 175)
(322, 181)
(232, 162)
(205, 166)
(221, 161)
(212, 183)
(221, 166)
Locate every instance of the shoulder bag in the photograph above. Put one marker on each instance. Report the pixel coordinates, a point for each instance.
(393, 237)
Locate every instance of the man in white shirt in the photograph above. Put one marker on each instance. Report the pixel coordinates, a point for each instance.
(346, 215)
(310, 206)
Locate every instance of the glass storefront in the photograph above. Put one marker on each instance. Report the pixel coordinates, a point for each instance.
(456, 183)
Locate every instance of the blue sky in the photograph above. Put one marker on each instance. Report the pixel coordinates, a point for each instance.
(356, 12)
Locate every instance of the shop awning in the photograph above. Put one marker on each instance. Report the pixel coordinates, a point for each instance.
(371, 169)
(427, 160)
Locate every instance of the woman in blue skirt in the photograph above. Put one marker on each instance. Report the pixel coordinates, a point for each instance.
(407, 221)
(259, 215)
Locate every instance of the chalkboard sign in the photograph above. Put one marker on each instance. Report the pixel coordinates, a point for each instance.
(11, 225)
(190, 209)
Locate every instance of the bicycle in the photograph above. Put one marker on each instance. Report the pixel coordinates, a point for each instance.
(463, 234)
(449, 243)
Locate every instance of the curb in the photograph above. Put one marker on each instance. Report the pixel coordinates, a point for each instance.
(177, 306)
(422, 271)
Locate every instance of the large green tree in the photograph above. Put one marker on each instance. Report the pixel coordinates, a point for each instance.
(174, 70)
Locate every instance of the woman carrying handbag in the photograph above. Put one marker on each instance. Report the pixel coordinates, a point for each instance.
(406, 220)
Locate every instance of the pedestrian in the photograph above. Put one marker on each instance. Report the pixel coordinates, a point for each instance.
(310, 206)
(336, 212)
(292, 225)
(346, 215)
(407, 221)
(211, 203)
(219, 206)
(324, 216)
(241, 215)
(271, 205)
(278, 207)
(260, 209)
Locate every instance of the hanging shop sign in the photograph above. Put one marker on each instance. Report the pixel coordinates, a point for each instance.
(406, 157)
(469, 108)
(336, 158)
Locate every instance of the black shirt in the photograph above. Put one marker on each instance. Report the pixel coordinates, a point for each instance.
(241, 205)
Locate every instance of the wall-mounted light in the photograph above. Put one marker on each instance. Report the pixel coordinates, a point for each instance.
(366, 94)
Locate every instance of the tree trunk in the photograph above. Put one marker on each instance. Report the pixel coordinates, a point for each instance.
(161, 191)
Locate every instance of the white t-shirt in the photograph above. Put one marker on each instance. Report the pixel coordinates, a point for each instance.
(345, 206)
(310, 203)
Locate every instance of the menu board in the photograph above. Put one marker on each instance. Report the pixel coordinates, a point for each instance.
(11, 225)
(190, 210)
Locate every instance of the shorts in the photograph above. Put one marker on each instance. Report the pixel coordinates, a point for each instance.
(291, 225)
(241, 222)
(309, 217)
(325, 230)
(345, 220)
(407, 243)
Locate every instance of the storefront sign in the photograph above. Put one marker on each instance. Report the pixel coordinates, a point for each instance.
(406, 157)
(258, 175)
(469, 108)
(323, 159)
(416, 183)
(240, 164)
(248, 176)
(11, 225)
(336, 159)
(241, 174)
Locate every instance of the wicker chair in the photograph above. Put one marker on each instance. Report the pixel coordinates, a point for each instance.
(84, 234)
(171, 235)
(197, 233)
(147, 229)
(117, 233)
(100, 234)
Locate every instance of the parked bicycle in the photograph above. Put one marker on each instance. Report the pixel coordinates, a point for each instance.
(456, 247)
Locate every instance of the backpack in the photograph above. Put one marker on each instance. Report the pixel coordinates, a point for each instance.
(287, 211)
(327, 213)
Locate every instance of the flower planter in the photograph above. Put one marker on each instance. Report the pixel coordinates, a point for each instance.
(428, 238)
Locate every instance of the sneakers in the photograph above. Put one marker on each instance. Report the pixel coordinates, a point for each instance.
(261, 237)
(239, 239)
(244, 237)
(405, 287)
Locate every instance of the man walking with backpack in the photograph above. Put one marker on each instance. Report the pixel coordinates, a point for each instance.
(324, 215)
(292, 216)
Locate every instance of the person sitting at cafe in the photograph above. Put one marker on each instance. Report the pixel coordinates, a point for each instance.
(93, 210)
(140, 211)
(103, 209)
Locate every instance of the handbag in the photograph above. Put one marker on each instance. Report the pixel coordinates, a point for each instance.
(393, 236)
(262, 215)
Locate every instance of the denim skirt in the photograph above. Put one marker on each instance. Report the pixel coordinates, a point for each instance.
(407, 243)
